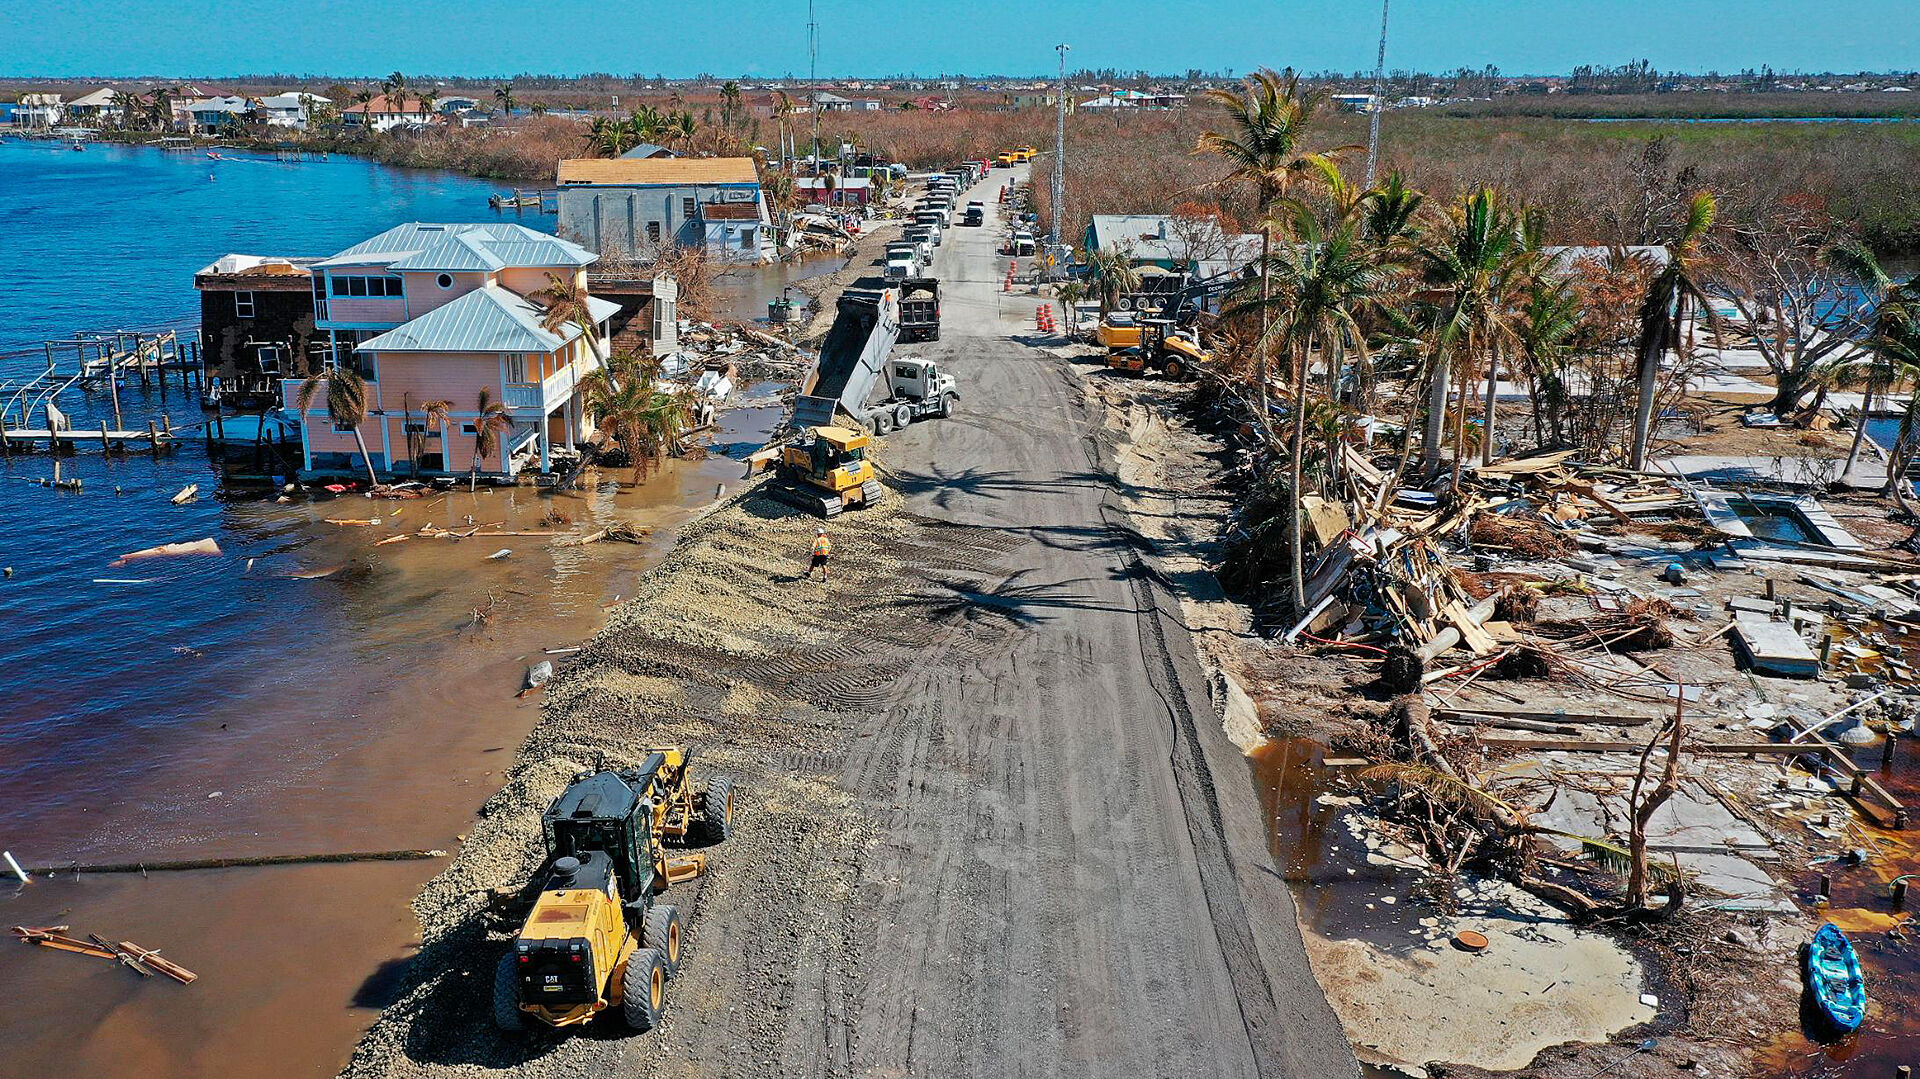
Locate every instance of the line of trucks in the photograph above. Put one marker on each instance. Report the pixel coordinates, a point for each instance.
(858, 389)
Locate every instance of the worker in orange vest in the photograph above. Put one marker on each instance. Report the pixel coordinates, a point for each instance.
(822, 547)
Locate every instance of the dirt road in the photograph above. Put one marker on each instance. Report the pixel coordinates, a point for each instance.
(996, 828)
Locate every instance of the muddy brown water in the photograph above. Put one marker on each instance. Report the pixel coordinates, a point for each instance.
(1862, 906)
(391, 740)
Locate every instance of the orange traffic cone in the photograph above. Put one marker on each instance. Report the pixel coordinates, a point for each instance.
(1012, 267)
(1040, 319)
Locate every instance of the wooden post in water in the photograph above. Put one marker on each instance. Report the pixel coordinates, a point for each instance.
(153, 439)
(103, 438)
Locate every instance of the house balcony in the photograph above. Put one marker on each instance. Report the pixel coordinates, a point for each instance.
(550, 393)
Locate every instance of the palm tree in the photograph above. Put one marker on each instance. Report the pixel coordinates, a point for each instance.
(395, 87)
(783, 110)
(683, 126)
(1549, 318)
(631, 409)
(1325, 279)
(646, 124)
(1663, 312)
(1115, 274)
(433, 416)
(490, 420)
(346, 402)
(1474, 265)
(363, 97)
(1854, 262)
(729, 102)
(565, 301)
(1269, 124)
(504, 95)
(428, 97)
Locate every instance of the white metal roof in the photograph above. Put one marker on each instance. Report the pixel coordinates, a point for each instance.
(488, 319)
(488, 246)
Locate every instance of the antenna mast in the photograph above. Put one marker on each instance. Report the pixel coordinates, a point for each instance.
(813, 78)
(1379, 98)
(1059, 152)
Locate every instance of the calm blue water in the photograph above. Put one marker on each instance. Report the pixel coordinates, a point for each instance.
(111, 237)
(103, 686)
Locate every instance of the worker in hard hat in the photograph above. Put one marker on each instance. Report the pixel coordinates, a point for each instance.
(822, 547)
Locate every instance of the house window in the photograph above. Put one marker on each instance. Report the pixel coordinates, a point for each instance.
(516, 367)
(269, 357)
(366, 286)
(686, 208)
(243, 305)
(469, 429)
(419, 427)
(343, 428)
(445, 280)
(653, 232)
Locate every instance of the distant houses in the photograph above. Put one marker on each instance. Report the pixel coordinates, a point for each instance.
(384, 113)
(630, 205)
(1167, 242)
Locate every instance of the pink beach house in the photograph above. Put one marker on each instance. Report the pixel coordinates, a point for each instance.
(440, 313)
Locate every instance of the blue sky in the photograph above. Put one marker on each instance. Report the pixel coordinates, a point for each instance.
(767, 38)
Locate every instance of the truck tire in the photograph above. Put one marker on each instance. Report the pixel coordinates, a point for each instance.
(902, 416)
(506, 996)
(946, 405)
(643, 989)
(716, 811)
(660, 930)
(936, 334)
(883, 421)
(1174, 370)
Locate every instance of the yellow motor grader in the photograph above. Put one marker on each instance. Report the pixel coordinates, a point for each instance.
(597, 936)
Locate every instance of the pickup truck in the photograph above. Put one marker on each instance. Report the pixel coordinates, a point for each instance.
(976, 214)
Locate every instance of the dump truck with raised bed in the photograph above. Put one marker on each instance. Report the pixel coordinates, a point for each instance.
(597, 937)
(852, 376)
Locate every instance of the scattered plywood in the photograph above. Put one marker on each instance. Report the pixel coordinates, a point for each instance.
(1774, 648)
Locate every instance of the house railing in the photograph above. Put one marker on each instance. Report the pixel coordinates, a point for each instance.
(522, 395)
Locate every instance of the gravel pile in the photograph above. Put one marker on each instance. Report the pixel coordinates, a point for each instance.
(724, 648)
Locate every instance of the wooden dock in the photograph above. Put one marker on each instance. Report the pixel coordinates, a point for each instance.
(32, 414)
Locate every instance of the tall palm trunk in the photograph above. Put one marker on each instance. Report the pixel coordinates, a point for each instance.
(1266, 316)
(1650, 355)
(365, 458)
(1295, 472)
(1859, 430)
(1434, 429)
(1486, 410)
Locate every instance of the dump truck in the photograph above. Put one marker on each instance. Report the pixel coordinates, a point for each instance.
(851, 376)
(919, 308)
(597, 937)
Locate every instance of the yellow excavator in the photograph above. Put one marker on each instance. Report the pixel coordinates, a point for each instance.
(1173, 354)
(597, 937)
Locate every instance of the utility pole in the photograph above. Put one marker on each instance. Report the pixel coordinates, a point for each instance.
(1059, 155)
(1379, 97)
(813, 79)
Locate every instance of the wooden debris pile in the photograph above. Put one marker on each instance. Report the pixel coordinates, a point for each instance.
(1390, 566)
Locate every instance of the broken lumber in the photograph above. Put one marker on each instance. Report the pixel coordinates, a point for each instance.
(152, 958)
(55, 936)
(1450, 636)
(1607, 719)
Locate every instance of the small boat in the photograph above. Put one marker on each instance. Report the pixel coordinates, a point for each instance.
(213, 155)
(1832, 971)
(78, 146)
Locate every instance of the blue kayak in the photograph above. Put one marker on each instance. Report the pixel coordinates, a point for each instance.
(1834, 978)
